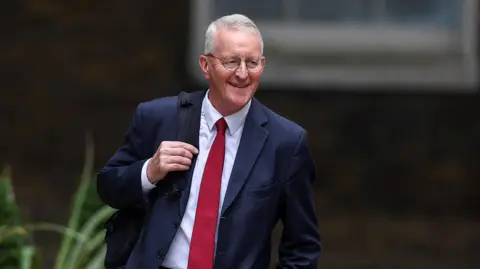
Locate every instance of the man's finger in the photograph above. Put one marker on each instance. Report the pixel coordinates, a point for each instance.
(179, 144)
(177, 152)
(178, 160)
(176, 167)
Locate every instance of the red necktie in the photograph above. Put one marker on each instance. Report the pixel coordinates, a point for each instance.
(202, 246)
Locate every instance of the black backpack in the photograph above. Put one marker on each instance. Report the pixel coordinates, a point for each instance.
(123, 228)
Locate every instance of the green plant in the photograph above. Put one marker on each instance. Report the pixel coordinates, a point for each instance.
(16, 245)
(82, 238)
(87, 218)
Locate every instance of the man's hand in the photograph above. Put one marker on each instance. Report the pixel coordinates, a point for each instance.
(170, 156)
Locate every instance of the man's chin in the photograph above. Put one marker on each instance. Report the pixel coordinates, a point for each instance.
(239, 100)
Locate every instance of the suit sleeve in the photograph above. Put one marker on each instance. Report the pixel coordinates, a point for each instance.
(119, 183)
(300, 244)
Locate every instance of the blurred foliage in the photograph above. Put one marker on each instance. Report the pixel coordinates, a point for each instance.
(16, 246)
(82, 238)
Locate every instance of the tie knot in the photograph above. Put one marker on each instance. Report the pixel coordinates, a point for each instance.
(221, 125)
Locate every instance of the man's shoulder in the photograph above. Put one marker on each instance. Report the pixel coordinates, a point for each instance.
(281, 125)
(166, 105)
(158, 106)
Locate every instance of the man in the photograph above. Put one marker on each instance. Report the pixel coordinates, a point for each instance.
(251, 169)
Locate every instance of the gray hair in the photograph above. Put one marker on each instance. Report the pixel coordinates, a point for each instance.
(235, 22)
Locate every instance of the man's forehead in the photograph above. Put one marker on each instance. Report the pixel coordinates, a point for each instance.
(237, 39)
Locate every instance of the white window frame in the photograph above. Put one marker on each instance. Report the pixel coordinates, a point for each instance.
(453, 68)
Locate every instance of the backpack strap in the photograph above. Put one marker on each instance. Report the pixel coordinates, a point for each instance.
(184, 112)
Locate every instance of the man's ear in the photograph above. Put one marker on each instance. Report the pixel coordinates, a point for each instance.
(204, 65)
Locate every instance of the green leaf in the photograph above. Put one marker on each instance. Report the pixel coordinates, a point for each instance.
(79, 251)
(97, 261)
(27, 257)
(8, 232)
(13, 236)
(9, 212)
(79, 200)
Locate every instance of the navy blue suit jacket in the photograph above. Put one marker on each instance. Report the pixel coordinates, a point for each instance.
(271, 180)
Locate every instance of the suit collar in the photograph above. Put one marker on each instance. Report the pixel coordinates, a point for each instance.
(253, 139)
(256, 113)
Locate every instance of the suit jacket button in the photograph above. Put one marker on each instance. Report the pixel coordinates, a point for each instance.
(160, 253)
(175, 225)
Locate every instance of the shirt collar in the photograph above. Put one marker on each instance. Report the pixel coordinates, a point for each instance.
(234, 121)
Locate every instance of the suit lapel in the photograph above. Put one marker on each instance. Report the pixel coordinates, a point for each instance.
(251, 144)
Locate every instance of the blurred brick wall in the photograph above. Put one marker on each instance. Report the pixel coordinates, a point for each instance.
(398, 172)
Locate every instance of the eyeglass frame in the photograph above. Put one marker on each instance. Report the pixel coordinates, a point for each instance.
(222, 62)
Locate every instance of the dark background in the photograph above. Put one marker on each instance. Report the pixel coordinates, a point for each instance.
(399, 172)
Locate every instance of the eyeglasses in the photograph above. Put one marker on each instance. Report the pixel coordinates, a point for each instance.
(233, 63)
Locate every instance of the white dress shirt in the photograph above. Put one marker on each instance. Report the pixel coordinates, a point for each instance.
(177, 256)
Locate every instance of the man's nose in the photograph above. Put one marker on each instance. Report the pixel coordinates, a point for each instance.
(242, 71)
